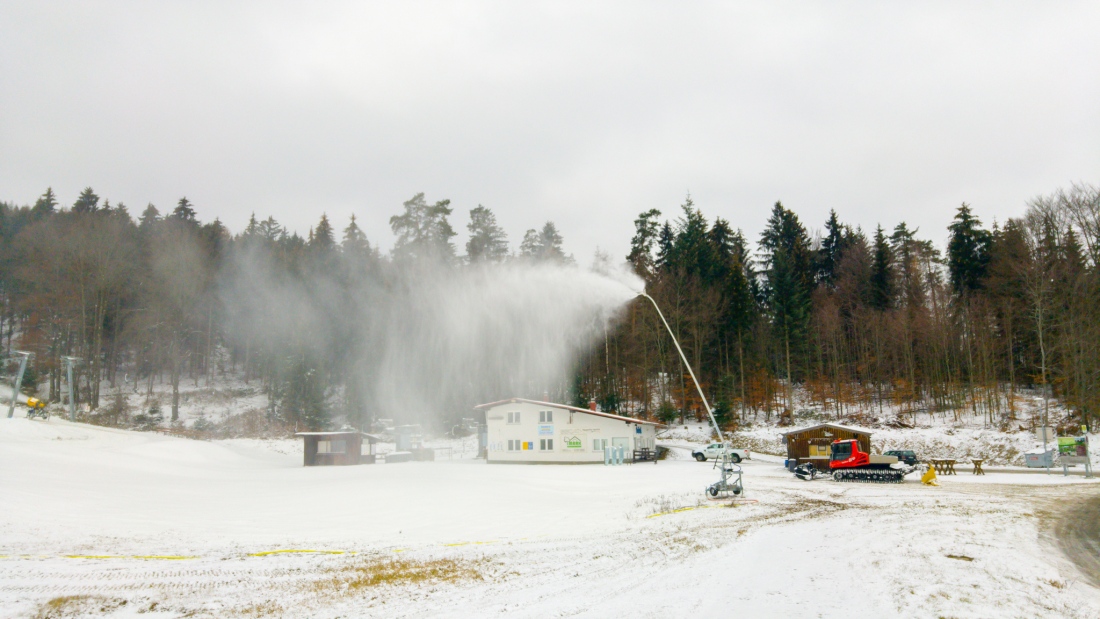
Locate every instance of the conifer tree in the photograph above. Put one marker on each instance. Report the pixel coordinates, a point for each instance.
(646, 230)
(184, 211)
(832, 247)
(323, 241)
(967, 252)
(355, 240)
(882, 273)
(788, 272)
(665, 239)
(86, 202)
(45, 206)
(691, 251)
(544, 245)
(149, 218)
(487, 242)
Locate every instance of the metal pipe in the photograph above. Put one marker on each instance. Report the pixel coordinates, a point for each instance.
(688, 366)
(69, 362)
(18, 380)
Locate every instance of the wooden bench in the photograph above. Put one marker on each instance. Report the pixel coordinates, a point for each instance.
(944, 466)
(645, 455)
(978, 466)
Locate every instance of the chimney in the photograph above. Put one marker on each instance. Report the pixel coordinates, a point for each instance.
(592, 404)
(545, 396)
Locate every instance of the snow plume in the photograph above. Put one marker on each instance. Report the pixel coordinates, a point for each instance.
(424, 344)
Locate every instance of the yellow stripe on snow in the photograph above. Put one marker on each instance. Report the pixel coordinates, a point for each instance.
(283, 551)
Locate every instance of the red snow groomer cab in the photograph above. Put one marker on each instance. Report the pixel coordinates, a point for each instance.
(848, 463)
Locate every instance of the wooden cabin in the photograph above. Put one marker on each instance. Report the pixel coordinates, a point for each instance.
(336, 448)
(813, 444)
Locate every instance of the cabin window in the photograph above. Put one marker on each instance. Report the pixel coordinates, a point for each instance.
(599, 444)
(546, 444)
(513, 417)
(331, 447)
(546, 416)
(841, 451)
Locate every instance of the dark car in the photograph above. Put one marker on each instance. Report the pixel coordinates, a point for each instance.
(907, 456)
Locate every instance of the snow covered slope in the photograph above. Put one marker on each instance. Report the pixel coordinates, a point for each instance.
(101, 522)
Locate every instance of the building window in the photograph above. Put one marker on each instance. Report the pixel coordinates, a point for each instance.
(331, 447)
(546, 416)
(599, 444)
(513, 417)
(546, 444)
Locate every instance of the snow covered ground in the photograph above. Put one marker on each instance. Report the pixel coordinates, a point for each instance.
(102, 522)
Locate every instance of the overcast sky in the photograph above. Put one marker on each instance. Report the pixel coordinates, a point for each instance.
(581, 113)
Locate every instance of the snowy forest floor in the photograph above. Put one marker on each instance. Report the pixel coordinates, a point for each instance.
(114, 523)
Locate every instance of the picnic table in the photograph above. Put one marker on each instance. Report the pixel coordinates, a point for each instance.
(944, 466)
(978, 466)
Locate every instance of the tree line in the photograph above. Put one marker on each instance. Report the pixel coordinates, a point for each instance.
(864, 320)
(851, 320)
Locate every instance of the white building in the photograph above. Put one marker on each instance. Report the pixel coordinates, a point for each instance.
(530, 431)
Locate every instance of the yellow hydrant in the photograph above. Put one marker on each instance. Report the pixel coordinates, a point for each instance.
(929, 477)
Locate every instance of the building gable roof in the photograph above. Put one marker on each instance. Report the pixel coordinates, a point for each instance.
(574, 409)
(830, 425)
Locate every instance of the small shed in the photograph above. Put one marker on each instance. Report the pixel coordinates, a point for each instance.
(336, 448)
(813, 444)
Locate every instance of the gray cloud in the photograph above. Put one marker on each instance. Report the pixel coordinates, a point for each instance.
(582, 114)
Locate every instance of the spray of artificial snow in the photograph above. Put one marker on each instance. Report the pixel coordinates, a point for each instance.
(427, 343)
(490, 332)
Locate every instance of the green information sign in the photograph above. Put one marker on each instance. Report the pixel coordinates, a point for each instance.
(1072, 446)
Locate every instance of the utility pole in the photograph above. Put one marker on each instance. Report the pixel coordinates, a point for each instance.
(69, 363)
(18, 379)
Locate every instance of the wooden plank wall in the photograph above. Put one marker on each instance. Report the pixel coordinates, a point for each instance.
(352, 454)
(798, 444)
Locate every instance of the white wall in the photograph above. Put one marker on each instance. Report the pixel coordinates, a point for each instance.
(565, 425)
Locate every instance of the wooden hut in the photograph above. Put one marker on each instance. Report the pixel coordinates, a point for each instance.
(813, 444)
(336, 448)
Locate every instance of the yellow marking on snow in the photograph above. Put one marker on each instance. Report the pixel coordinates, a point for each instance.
(283, 551)
(94, 557)
(682, 509)
(163, 557)
(399, 549)
(493, 541)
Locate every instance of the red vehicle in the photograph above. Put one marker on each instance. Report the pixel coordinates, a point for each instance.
(849, 463)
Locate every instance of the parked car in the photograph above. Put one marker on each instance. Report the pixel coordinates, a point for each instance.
(907, 456)
(716, 450)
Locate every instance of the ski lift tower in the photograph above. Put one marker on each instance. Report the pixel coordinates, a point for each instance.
(18, 379)
(69, 363)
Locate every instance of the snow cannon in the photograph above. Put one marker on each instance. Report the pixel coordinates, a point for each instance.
(36, 408)
(929, 477)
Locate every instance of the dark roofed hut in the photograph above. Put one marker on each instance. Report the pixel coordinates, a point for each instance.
(336, 448)
(813, 444)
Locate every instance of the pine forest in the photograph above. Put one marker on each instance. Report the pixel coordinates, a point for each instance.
(858, 322)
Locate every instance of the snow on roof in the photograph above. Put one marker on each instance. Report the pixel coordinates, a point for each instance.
(374, 437)
(830, 425)
(575, 409)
